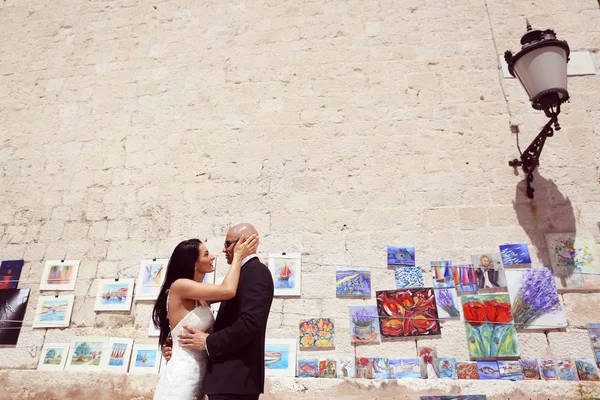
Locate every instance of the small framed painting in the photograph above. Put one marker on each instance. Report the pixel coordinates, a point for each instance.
(86, 353)
(53, 356)
(150, 279)
(114, 295)
(152, 331)
(286, 269)
(10, 272)
(53, 311)
(119, 353)
(145, 359)
(59, 275)
(280, 357)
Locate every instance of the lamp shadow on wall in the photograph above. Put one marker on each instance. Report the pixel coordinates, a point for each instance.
(550, 212)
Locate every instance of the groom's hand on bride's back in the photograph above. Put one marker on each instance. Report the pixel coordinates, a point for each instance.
(167, 349)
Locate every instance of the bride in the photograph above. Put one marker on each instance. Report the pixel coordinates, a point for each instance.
(183, 301)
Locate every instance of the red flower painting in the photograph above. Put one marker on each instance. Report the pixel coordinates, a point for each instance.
(407, 312)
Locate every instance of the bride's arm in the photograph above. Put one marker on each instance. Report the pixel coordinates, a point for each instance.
(189, 289)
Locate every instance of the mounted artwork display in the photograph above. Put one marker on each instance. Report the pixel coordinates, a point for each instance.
(465, 278)
(531, 369)
(286, 270)
(510, 370)
(10, 272)
(308, 368)
(594, 332)
(346, 367)
(113, 295)
(316, 333)
(548, 370)
(447, 303)
(87, 353)
(587, 370)
(534, 298)
(145, 359)
(53, 311)
(442, 274)
(491, 333)
(353, 282)
(428, 363)
(53, 356)
(380, 368)
(567, 370)
(401, 256)
(515, 255)
(409, 277)
(404, 368)
(280, 357)
(150, 279)
(13, 303)
(574, 261)
(407, 312)
(328, 368)
(152, 330)
(118, 355)
(59, 275)
(364, 325)
(364, 368)
(488, 370)
(467, 370)
(489, 272)
(447, 368)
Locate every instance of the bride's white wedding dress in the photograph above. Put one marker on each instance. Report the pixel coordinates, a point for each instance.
(184, 375)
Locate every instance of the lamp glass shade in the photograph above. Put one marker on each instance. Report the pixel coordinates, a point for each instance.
(542, 68)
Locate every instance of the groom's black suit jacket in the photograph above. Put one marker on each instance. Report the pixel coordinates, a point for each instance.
(236, 348)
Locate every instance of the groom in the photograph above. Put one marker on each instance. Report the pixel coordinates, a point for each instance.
(236, 348)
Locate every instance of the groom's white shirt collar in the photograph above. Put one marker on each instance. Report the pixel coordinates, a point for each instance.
(248, 258)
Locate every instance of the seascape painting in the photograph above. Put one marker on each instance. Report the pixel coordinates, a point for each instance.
(118, 354)
(280, 357)
(404, 368)
(53, 311)
(10, 272)
(407, 312)
(515, 255)
(286, 272)
(574, 261)
(114, 295)
(353, 283)
(145, 358)
(401, 255)
(409, 277)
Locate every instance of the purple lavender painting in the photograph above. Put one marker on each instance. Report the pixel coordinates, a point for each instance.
(447, 303)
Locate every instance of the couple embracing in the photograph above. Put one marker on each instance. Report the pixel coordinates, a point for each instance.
(222, 358)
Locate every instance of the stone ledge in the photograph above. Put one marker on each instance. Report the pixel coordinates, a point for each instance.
(29, 384)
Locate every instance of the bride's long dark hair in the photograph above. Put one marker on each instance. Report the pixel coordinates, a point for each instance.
(181, 266)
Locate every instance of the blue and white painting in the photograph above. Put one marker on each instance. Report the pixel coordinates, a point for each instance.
(380, 368)
(145, 358)
(401, 255)
(447, 368)
(404, 368)
(409, 277)
(488, 370)
(353, 283)
(515, 255)
(276, 356)
(442, 274)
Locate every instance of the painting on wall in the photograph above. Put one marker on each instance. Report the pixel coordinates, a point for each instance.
(491, 333)
(587, 370)
(364, 325)
(328, 368)
(428, 363)
(118, 355)
(488, 370)
(53, 356)
(380, 368)
(447, 303)
(401, 255)
(346, 367)
(150, 279)
(594, 332)
(13, 303)
(447, 368)
(353, 283)
(152, 330)
(53, 311)
(467, 370)
(308, 368)
(510, 370)
(280, 357)
(567, 370)
(489, 272)
(515, 255)
(86, 353)
(442, 274)
(548, 371)
(10, 272)
(145, 359)
(114, 295)
(316, 333)
(574, 260)
(59, 275)
(286, 270)
(534, 298)
(409, 277)
(531, 369)
(407, 312)
(465, 278)
(404, 368)
(364, 368)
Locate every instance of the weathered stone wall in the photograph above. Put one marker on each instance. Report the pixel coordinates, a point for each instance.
(336, 127)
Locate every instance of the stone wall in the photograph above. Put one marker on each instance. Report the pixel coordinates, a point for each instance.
(336, 127)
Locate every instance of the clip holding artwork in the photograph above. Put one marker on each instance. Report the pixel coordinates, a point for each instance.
(286, 270)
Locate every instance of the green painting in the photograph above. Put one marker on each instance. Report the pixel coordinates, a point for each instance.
(490, 328)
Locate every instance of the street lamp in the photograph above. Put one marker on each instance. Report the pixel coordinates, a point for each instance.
(541, 66)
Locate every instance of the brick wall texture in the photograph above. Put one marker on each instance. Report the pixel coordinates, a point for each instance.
(337, 127)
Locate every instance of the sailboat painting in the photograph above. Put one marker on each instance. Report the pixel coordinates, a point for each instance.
(119, 355)
(286, 271)
(280, 357)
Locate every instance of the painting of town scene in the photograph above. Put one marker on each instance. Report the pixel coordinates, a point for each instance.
(114, 295)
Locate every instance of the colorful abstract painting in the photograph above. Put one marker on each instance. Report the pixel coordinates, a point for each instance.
(510, 370)
(364, 368)
(515, 255)
(587, 370)
(114, 295)
(531, 369)
(353, 283)
(491, 333)
(442, 274)
(428, 363)
(467, 370)
(316, 333)
(488, 370)
(447, 368)
(286, 270)
(150, 279)
(53, 356)
(346, 367)
(59, 275)
(364, 325)
(465, 278)
(280, 357)
(13, 303)
(380, 368)
(489, 272)
(308, 368)
(53, 311)
(328, 368)
(567, 370)
(404, 368)
(534, 298)
(10, 272)
(574, 260)
(594, 332)
(401, 255)
(548, 370)
(447, 303)
(408, 312)
(409, 277)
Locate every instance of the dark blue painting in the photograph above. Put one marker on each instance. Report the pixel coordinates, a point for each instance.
(401, 255)
(514, 254)
(10, 272)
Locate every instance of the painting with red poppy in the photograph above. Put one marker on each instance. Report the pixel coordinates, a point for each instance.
(491, 332)
(407, 312)
(364, 368)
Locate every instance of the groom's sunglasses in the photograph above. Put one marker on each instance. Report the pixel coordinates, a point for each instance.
(230, 242)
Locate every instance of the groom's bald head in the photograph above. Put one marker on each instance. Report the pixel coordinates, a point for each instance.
(235, 233)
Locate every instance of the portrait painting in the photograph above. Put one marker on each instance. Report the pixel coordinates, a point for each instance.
(489, 272)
